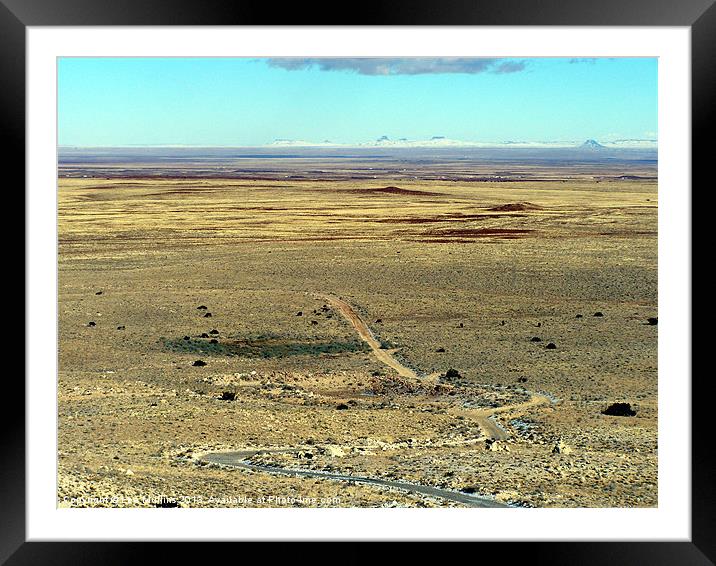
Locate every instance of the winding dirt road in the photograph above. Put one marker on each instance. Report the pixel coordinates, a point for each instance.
(484, 417)
(385, 356)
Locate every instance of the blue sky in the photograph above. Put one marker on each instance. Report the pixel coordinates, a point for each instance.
(244, 102)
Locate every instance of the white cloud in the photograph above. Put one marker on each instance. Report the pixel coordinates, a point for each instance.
(401, 66)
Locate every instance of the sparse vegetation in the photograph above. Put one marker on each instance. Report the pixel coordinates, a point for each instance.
(619, 410)
(429, 271)
(263, 347)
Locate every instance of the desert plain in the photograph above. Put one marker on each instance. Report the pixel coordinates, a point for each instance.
(460, 324)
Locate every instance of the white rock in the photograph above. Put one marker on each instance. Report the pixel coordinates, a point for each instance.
(561, 448)
(335, 451)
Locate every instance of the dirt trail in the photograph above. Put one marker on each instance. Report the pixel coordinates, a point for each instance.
(383, 355)
(483, 417)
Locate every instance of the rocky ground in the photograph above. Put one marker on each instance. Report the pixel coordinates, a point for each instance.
(281, 369)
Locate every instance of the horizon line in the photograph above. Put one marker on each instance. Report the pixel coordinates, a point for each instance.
(392, 144)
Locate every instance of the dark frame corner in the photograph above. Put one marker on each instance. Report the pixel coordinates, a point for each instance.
(699, 15)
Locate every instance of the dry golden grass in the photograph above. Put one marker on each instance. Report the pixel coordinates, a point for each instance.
(476, 269)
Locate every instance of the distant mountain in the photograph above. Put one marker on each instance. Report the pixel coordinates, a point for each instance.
(441, 141)
(435, 141)
(592, 145)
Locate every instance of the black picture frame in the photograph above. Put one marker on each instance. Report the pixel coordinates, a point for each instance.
(16, 15)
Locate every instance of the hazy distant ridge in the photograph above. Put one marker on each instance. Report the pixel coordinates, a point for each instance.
(439, 141)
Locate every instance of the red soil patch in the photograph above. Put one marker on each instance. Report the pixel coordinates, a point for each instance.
(445, 218)
(515, 207)
(396, 191)
(479, 233)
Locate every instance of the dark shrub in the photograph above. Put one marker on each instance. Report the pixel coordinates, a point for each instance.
(619, 410)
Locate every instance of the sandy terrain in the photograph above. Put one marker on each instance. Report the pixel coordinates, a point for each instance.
(396, 281)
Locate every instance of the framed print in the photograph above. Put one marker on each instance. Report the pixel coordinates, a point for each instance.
(424, 275)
